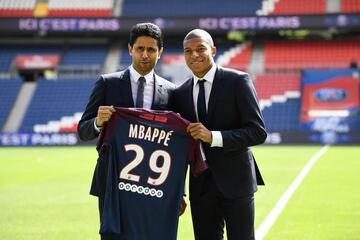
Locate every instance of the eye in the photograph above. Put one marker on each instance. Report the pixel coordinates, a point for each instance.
(152, 50)
(187, 51)
(140, 49)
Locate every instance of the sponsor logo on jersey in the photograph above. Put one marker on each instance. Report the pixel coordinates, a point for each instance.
(140, 190)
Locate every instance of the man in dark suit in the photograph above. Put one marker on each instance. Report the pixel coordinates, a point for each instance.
(222, 105)
(137, 86)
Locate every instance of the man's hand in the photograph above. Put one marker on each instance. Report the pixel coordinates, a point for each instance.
(199, 131)
(103, 115)
(182, 206)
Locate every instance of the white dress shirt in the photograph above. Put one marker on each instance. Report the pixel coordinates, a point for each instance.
(217, 140)
(148, 89)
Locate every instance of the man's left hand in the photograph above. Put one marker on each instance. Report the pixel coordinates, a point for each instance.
(199, 132)
(182, 206)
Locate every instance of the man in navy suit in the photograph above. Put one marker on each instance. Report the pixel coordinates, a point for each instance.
(222, 105)
(136, 86)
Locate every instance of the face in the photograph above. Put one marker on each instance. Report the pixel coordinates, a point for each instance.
(199, 55)
(145, 54)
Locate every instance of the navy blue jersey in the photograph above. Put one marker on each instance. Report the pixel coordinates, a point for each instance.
(148, 153)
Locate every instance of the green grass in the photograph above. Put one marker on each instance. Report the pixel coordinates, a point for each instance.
(44, 194)
(327, 204)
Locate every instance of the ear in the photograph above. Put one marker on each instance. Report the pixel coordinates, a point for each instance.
(130, 49)
(213, 51)
(160, 52)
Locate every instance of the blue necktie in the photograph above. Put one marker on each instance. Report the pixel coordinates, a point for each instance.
(201, 104)
(140, 93)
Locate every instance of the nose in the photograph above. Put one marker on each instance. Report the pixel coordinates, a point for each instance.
(144, 54)
(194, 54)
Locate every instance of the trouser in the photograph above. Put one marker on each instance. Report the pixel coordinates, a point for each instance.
(212, 211)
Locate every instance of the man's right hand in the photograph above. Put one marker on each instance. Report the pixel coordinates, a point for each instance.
(104, 114)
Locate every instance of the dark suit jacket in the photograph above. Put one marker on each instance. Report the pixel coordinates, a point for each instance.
(232, 109)
(115, 89)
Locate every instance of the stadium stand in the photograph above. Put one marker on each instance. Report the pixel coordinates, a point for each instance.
(299, 7)
(54, 99)
(297, 55)
(350, 6)
(268, 85)
(10, 51)
(283, 116)
(279, 98)
(19, 8)
(84, 57)
(80, 8)
(8, 92)
(174, 8)
(237, 57)
(125, 58)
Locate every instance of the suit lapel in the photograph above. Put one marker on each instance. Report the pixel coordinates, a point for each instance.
(125, 89)
(190, 99)
(216, 89)
(157, 93)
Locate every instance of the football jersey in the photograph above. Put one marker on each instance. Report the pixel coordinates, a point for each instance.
(148, 153)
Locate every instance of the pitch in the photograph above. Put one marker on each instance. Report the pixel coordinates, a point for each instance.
(44, 193)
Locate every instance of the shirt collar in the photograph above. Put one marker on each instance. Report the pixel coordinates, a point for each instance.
(209, 76)
(134, 75)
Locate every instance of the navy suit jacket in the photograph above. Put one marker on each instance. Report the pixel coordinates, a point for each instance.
(115, 89)
(232, 109)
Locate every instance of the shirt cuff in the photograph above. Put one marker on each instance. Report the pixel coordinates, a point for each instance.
(97, 129)
(217, 140)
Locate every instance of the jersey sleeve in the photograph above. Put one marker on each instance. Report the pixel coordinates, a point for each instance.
(197, 163)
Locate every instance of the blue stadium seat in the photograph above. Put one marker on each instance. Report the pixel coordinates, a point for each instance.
(8, 92)
(9, 52)
(124, 59)
(55, 99)
(174, 8)
(84, 55)
(283, 116)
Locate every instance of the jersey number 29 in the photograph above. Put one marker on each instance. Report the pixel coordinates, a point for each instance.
(162, 170)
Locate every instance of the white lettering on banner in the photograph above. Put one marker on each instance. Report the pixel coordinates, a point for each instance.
(53, 139)
(30, 139)
(28, 24)
(237, 23)
(99, 24)
(278, 22)
(273, 138)
(330, 124)
(68, 24)
(14, 139)
(140, 190)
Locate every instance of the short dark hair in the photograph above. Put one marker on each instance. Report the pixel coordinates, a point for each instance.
(199, 33)
(146, 29)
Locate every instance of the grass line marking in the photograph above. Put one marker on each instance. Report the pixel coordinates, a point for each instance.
(265, 226)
